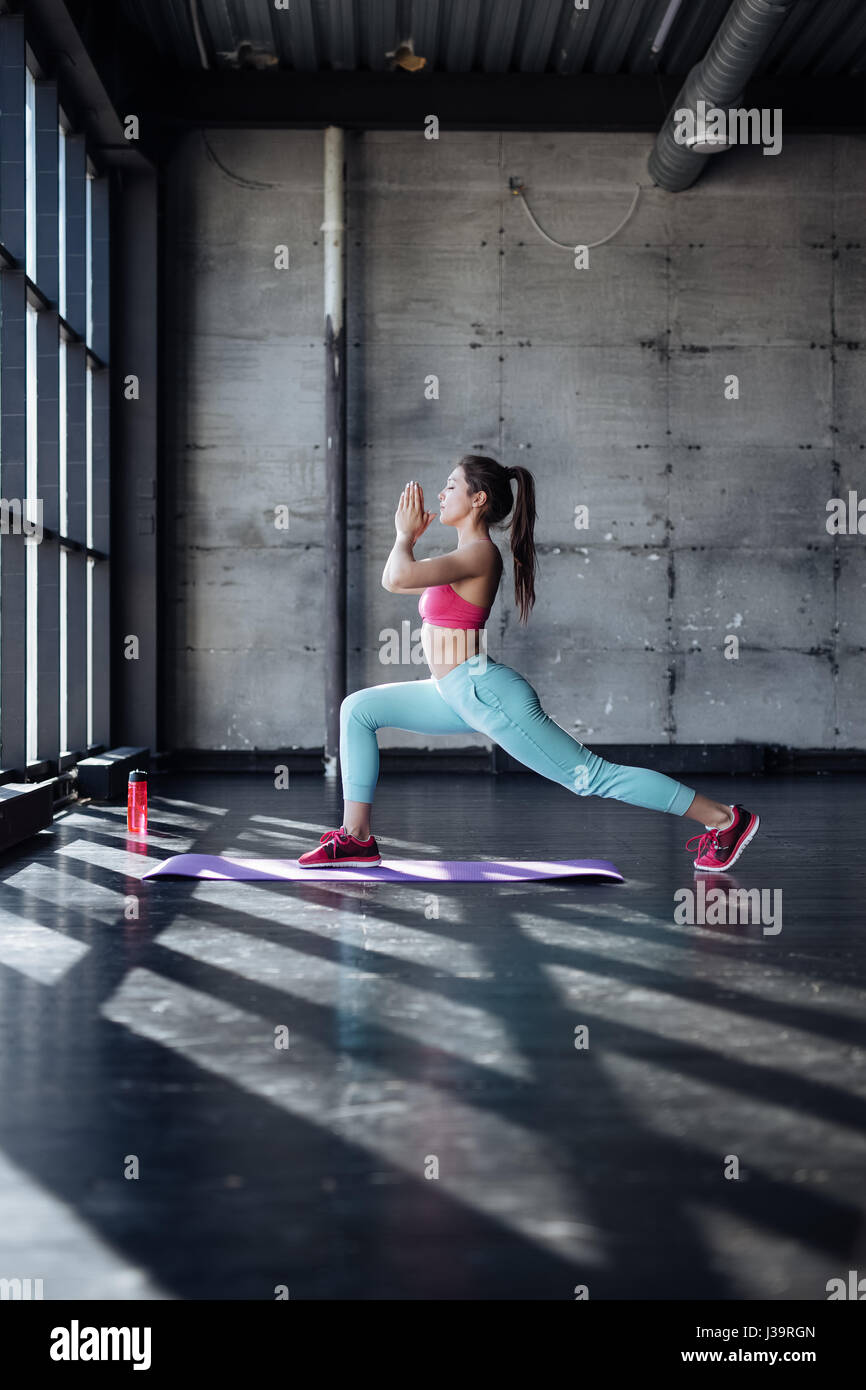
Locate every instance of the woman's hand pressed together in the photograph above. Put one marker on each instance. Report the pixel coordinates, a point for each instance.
(410, 519)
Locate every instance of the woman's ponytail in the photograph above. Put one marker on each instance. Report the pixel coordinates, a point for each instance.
(522, 540)
(484, 474)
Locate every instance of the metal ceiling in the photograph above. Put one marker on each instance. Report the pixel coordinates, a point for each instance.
(820, 38)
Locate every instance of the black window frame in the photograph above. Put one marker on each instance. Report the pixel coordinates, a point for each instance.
(80, 548)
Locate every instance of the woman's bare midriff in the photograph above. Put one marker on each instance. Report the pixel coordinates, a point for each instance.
(446, 647)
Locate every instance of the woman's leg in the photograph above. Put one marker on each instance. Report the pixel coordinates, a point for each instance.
(413, 705)
(501, 703)
(710, 812)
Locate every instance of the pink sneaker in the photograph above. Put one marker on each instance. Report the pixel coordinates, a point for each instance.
(338, 847)
(719, 849)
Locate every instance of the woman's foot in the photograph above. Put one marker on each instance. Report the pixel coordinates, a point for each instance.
(719, 849)
(338, 848)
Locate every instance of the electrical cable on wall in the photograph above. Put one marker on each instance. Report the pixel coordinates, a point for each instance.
(517, 189)
(235, 178)
(199, 37)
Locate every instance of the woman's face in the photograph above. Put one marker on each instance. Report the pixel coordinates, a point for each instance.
(455, 502)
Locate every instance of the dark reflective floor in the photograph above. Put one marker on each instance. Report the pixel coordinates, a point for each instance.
(432, 1130)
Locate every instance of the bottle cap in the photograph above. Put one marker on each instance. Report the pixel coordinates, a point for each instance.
(138, 775)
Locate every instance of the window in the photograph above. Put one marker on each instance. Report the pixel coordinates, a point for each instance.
(61, 220)
(30, 171)
(88, 255)
(88, 509)
(53, 425)
(64, 530)
(31, 506)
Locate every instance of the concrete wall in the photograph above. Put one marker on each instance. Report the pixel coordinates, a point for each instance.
(707, 515)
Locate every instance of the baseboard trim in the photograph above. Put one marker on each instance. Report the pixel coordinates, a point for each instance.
(675, 760)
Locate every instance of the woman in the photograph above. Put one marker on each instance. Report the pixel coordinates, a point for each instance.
(469, 692)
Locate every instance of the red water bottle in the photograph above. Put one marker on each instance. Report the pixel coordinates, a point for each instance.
(136, 803)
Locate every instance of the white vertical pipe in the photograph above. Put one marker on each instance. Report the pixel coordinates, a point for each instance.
(334, 226)
(335, 444)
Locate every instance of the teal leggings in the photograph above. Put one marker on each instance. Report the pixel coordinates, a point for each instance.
(483, 696)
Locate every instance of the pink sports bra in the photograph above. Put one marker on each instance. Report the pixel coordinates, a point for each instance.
(442, 607)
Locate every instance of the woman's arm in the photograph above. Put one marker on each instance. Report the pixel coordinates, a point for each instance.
(401, 553)
(387, 581)
(403, 572)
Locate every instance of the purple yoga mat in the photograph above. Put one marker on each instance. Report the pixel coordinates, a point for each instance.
(389, 871)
